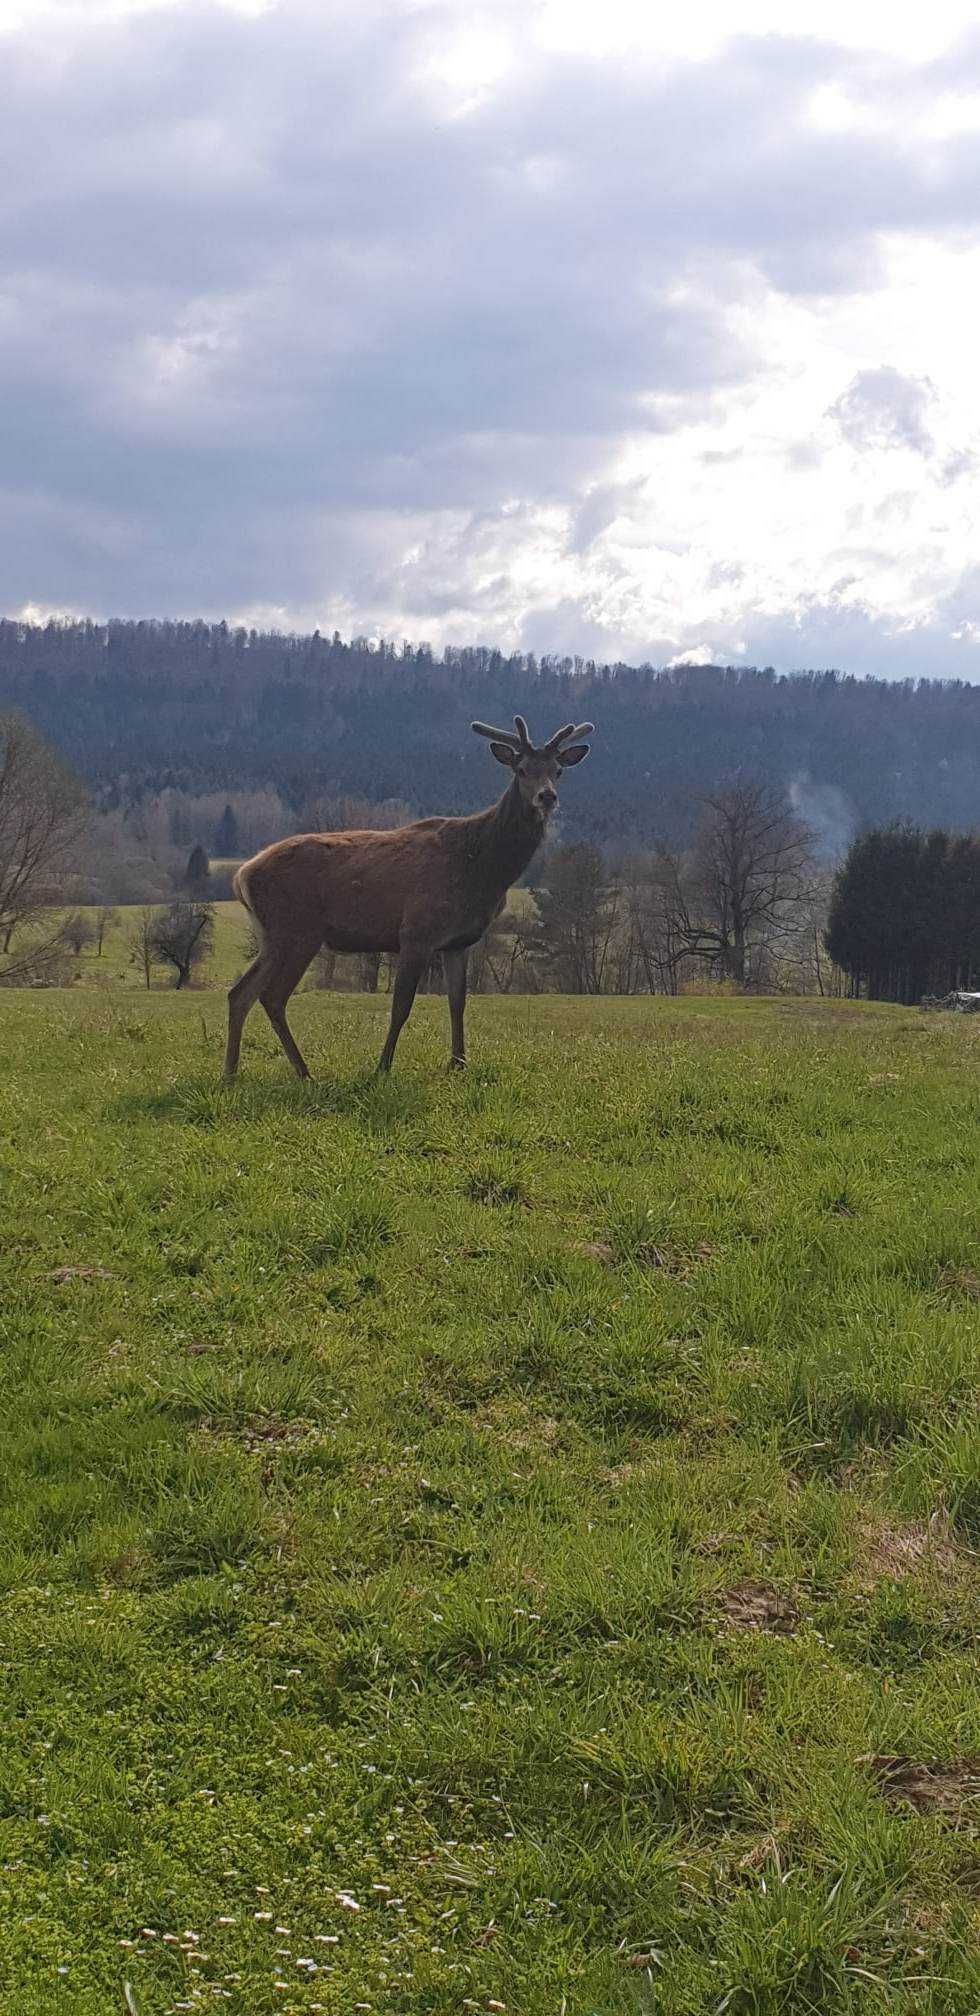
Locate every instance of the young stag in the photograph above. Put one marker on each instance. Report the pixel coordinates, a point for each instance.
(420, 890)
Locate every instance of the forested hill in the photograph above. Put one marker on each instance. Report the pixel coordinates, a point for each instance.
(139, 706)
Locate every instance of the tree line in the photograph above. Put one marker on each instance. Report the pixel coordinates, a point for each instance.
(206, 712)
(747, 902)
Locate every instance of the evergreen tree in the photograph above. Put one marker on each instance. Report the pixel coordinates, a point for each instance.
(226, 835)
(904, 916)
(197, 874)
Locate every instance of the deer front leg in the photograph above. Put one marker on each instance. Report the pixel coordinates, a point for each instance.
(408, 973)
(454, 967)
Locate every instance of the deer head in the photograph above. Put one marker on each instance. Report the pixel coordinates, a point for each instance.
(536, 771)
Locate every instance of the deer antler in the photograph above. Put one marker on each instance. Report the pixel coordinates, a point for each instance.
(569, 733)
(520, 741)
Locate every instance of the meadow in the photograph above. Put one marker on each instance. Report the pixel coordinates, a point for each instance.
(117, 967)
(495, 1542)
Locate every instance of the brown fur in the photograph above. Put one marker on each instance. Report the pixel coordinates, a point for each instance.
(429, 888)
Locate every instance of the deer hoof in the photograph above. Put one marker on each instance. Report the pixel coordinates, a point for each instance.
(457, 1064)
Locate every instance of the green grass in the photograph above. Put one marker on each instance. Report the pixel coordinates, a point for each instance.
(394, 1515)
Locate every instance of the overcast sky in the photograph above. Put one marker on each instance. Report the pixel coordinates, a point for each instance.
(547, 326)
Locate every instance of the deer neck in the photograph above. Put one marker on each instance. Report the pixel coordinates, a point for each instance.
(511, 835)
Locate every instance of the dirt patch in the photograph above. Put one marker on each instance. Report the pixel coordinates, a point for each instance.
(679, 1261)
(257, 1436)
(615, 1475)
(760, 1854)
(711, 1543)
(756, 1606)
(902, 1552)
(929, 1788)
(62, 1274)
(960, 1283)
(594, 1249)
(519, 1430)
(495, 1191)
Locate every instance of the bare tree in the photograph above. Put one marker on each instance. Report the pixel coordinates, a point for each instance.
(744, 880)
(104, 916)
(142, 941)
(78, 931)
(41, 816)
(577, 908)
(39, 959)
(182, 936)
(650, 952)
(499, 961)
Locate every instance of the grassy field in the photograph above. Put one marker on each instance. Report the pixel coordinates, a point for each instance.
(490, 1543)
(116, 967)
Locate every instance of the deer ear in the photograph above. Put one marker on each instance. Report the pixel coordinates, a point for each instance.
(576, 754)
(504, 754)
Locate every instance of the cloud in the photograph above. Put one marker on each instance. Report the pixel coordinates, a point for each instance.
(885, 409)
(409, 319)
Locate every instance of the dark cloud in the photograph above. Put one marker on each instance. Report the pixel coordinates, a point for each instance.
(278, 327)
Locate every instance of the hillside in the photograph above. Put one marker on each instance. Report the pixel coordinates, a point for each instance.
(141, 706)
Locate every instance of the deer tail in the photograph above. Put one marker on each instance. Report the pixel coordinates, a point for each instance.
(239, 888)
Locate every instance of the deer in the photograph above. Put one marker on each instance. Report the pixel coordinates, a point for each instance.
(417, 891)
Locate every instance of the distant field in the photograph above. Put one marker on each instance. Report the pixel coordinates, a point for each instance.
(118, 968)
(504, 1542)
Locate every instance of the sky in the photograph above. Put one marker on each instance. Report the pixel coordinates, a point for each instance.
(555, 326)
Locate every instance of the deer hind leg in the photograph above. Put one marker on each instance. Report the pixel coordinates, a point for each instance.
(241, 998)
(284, 972)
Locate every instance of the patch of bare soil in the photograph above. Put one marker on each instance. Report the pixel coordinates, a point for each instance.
(520, 1430)
(678, 1261)
(957, 1282)
(760, 1854)
(711, 1543)
(919, 1548)
(62, 1274)
(930, 1788)
(594, 1249)
(256, 1436)
(756, 1606)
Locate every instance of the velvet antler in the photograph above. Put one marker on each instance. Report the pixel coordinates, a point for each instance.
(520, 741)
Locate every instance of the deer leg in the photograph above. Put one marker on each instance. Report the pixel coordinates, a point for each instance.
(241, 997)
(281, 980)
(411, 966)
(454, 967)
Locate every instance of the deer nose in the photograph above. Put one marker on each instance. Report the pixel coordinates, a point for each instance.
(547, 797)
